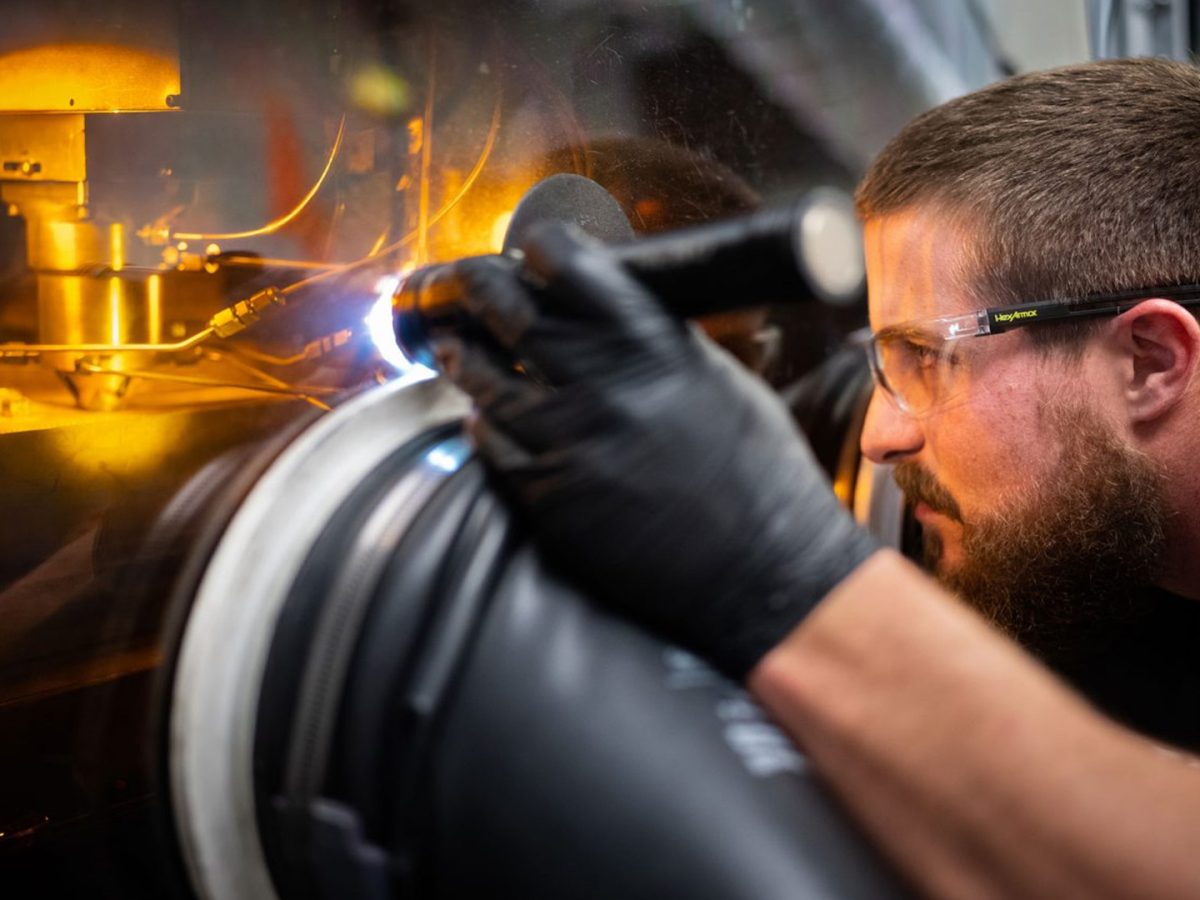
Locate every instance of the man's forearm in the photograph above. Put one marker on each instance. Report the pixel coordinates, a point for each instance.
(972, 766)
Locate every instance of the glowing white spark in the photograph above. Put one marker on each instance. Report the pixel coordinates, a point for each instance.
(379, 326)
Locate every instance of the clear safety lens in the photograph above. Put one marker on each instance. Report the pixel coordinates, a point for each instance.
(919, 372)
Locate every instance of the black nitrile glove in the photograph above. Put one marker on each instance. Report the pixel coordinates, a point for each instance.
(669, 481)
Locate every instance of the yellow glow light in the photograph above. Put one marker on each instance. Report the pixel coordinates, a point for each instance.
(378, 90)
(499, 230)
(127, 443)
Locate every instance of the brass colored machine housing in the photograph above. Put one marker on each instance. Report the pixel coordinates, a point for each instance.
(48, 94)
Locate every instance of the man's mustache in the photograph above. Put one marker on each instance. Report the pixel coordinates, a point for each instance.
(920, 486)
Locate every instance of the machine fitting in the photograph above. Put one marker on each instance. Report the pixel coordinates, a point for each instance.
(245, 313)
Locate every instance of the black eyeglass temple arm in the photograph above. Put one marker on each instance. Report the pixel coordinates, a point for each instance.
(1005, 318)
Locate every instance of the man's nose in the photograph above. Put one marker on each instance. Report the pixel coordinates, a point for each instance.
(889, 434)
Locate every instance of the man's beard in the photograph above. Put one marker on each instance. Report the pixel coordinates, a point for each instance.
(1060, 568)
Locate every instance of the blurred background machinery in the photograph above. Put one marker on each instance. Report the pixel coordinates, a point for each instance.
(207, 205)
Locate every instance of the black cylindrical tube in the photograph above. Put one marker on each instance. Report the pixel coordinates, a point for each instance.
(733, 264)
(736, 263)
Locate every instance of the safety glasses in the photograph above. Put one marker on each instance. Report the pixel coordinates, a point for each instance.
(921, 365)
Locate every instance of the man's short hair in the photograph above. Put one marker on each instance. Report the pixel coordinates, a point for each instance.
(1072, 181)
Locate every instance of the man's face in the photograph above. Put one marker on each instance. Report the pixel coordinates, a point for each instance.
(993, 441)
(1024, 489)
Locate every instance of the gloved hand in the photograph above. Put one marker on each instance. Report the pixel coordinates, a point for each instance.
(671, 483)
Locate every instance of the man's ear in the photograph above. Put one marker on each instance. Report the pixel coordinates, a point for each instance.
(1161, 343)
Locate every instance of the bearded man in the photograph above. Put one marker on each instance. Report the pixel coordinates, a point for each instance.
(1047, 501)
(1032, 254)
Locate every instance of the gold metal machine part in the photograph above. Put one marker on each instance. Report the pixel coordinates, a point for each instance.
(48, 95)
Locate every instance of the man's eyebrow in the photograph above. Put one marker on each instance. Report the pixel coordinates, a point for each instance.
(907, 330)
